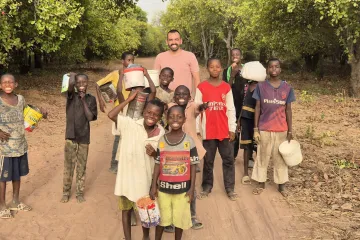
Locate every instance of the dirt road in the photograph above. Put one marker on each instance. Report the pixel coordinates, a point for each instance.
(250, 218)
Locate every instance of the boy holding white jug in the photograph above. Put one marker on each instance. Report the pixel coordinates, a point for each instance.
(272, 126)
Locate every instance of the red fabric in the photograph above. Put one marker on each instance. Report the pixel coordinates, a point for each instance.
(216, 125)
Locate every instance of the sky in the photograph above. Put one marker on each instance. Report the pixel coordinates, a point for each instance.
(152, 7)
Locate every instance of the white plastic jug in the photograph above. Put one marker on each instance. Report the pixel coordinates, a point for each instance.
(134, 77)
(154, 75)
(291, 153)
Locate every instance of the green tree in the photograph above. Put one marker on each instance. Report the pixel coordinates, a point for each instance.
(344, 15)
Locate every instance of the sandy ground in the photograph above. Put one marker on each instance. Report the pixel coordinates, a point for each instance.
(251, 217)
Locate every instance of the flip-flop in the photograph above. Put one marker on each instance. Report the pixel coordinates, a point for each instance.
(203, 195)
(233, 196)
(258, 191)
(285, 193)
(5, 214)
(196, 225)
(21, 207)
(246, 180)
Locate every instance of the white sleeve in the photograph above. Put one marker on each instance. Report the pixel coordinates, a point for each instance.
(198, 100)
(198, 96)
(231, 112)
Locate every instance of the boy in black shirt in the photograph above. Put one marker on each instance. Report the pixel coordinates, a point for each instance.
(81, 108)
(232, 76)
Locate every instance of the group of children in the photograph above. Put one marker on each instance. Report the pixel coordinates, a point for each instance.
(159, 153)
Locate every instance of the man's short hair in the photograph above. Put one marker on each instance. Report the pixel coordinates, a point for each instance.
(173, 31)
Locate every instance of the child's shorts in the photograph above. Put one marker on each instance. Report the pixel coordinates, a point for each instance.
(174, 210)
(125, 204)
(13, 168)
(247, 133)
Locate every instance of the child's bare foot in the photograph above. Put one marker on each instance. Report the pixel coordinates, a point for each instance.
(65, 199)
(80, 199)
(133, 218)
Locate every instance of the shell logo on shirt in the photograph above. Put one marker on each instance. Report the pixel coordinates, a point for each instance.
(161, 145)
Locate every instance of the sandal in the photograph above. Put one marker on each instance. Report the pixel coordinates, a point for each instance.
(169, 229)
(232, 196)
(196, 225)
(5, 214)
(21, 207)
(203, 195)
(285, 193)
(258, 191)
(246, 180)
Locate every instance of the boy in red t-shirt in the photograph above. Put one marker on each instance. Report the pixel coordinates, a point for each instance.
(218, 128)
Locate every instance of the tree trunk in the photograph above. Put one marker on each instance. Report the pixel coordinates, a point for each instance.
(228, 45)
(263, 55)
(355, 70)
(203, 40)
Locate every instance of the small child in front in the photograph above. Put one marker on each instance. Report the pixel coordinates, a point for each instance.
(175, 163)
(81, 109)
(272, 126)
(13, 146)
(182, 98)
(218, 129)
(136, 156)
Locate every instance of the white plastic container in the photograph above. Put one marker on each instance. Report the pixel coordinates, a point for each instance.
(65, 83)
(154, 75)
(134, 77)
(291, 153)
(254, 71)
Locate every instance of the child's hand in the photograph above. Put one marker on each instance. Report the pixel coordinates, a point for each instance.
(153, 193)
(289, 136)
(132, 95)
(145, 71)
(238, 126)
(203, 106)
(82, 95)
(190, 194)
(256, 135)
(4, 136)
(231, 136)
(234, 69)
(150, 150)
(44, 112)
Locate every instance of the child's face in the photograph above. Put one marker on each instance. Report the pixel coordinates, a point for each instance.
(129, 59)
(8, 84)
(166, 78)
(152, 115)
(182, 96)
(274, 69)
(235, 56)
(176, 119)
(81, 83)
(214, 68)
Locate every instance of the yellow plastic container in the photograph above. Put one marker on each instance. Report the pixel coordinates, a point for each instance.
(32, 116)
